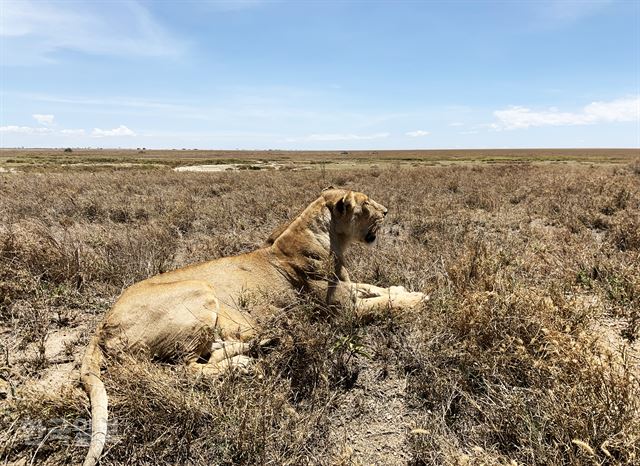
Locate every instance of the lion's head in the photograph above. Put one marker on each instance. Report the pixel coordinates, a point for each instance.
(354, 214)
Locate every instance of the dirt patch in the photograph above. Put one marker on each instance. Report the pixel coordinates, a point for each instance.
(63, 356)
(372, 420)
(112, 165)
(223, 167)
(232, 167)
(610, 330)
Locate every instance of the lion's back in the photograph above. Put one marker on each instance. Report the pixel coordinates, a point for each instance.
(228, 276)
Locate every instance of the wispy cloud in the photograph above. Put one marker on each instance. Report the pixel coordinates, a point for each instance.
(113, 102)
(417, 134)
(43, 119)
(339, 137)
(571, 10)
(121, 130)
(25, 130)
(554, 14)
(33, 32)
(243, 106)
(73, 132)
(620, 110)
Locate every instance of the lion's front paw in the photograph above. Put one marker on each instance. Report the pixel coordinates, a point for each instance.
(241, 363)
(411, 299)
(397, 290)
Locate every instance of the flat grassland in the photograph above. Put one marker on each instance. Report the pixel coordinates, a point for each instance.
(29, 159)
(526, 353)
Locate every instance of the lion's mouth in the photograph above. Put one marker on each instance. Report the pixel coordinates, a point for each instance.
(372, 234)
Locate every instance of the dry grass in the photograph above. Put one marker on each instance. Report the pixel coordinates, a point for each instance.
(110, 159)
(526, 353)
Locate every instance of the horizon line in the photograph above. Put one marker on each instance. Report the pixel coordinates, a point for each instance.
(184, 149)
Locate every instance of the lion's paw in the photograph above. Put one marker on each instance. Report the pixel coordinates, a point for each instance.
(412, 299)
(397, 290)
(241, 363)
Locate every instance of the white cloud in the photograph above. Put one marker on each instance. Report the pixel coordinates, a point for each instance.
(121, 130)
(617, 110)
(73, 132)
(417, 134)
(34, 31)
(43, 119)
(620, 110)
(24, 130)
(516, 117)
(339, 137)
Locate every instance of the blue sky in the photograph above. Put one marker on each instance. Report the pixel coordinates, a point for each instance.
(320, 74)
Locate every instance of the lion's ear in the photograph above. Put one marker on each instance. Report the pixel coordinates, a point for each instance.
(328, 188)
(347, 203)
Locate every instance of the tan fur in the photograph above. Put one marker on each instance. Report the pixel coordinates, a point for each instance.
(193, 314)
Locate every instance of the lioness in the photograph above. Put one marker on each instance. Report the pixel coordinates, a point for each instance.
(192, 313)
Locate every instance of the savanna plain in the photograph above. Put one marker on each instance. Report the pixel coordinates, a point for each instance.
(526, 352)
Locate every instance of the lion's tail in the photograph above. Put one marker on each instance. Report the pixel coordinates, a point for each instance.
(90, 376)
